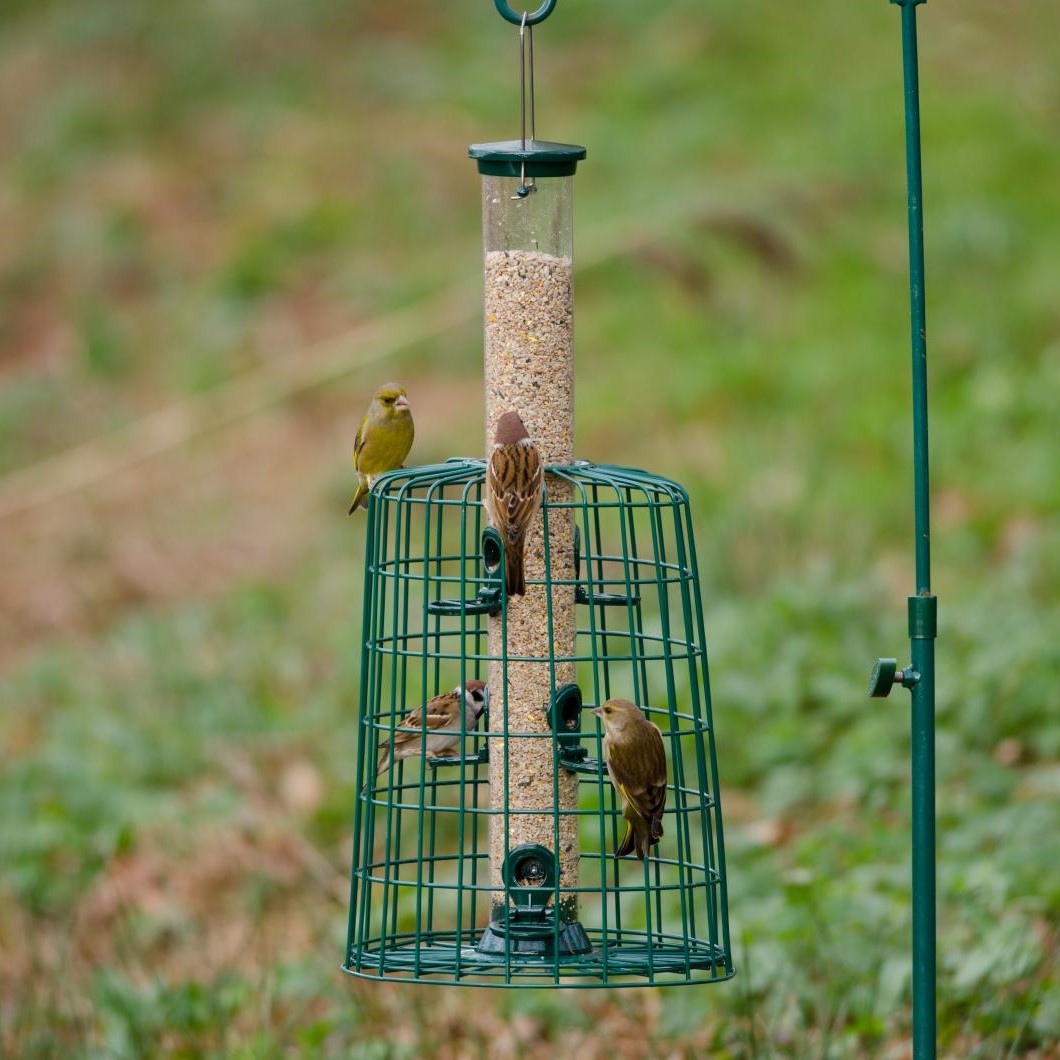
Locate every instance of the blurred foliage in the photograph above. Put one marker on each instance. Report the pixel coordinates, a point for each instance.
(197, 189)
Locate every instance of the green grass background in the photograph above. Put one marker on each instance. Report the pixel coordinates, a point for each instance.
(198, 194)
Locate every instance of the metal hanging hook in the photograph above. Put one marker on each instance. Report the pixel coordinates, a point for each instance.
(526, 58)
(516, 19)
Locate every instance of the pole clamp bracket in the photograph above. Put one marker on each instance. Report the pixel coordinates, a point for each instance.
(923, 617)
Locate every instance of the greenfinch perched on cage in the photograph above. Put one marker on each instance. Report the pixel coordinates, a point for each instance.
(636, 763)
(384, 439)
(514, 477)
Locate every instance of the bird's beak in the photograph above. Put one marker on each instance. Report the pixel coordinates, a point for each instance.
(598, 711)
(402, 402)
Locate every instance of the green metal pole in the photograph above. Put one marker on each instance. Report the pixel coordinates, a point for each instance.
(916, 293)
(922, 606)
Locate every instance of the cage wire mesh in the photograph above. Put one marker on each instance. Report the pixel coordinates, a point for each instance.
(425, 904)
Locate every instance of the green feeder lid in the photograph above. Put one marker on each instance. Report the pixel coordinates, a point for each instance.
(541, 158)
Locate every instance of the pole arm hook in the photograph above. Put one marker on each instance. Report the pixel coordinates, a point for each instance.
(516, 18)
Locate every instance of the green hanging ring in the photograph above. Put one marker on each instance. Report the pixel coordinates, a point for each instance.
(505, 11)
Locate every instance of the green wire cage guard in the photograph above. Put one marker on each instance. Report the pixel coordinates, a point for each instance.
(425, 904)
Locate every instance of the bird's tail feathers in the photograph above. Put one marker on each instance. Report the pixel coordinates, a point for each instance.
(359, 498)
(514, 578)
(626, 846)
(644, 844)
(656, 828)
(384, 757)
(639, 841)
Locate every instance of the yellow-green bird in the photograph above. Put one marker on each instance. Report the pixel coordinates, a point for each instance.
(384, 439)
(636, 762)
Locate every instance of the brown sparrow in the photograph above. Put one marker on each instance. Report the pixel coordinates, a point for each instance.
(443, 725)
(514, 477)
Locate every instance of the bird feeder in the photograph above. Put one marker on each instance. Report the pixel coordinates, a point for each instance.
(494, 864)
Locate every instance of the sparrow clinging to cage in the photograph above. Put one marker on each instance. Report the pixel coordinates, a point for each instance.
(384, 439)
(636, 763)
(443, 724)
(514, 478)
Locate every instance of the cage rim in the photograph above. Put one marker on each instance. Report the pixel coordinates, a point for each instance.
(578, 473)
(678, 956)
